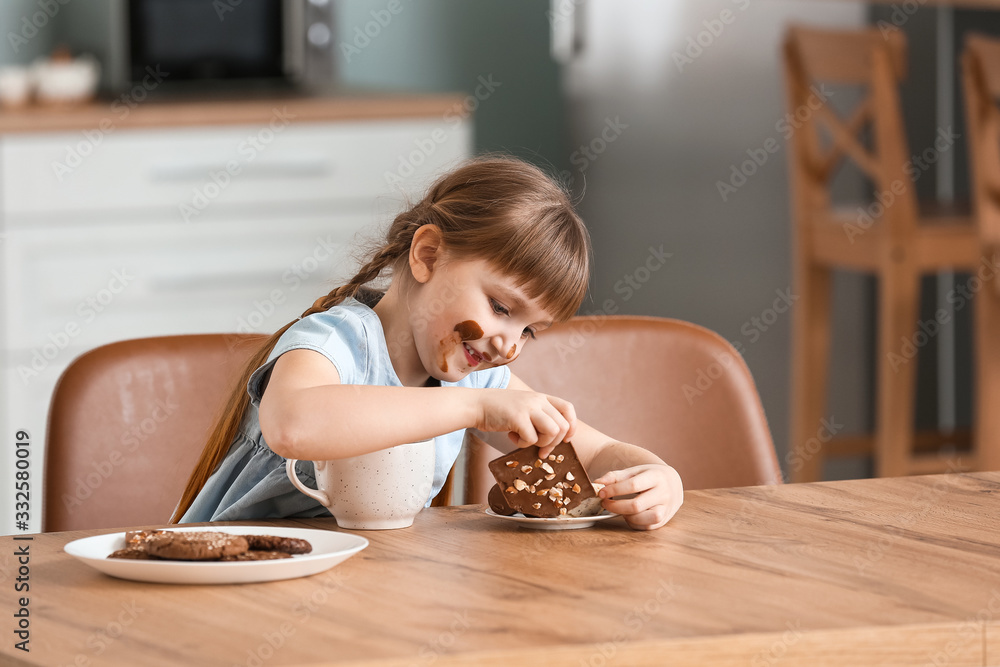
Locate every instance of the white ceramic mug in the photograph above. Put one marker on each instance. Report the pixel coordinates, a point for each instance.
(376, 491)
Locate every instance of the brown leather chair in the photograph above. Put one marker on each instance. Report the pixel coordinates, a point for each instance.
(672, 387)
(127, 423)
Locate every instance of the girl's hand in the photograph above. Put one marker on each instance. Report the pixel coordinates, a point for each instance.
(659, 489)
(529, 417)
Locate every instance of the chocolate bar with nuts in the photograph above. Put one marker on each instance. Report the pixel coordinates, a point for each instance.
(550, 488)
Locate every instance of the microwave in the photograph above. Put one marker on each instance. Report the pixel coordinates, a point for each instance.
(210, 44)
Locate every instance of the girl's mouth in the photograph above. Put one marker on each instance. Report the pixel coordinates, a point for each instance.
(471, 355)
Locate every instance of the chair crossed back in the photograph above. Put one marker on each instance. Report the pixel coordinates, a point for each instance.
(876, 64)
(981, 84)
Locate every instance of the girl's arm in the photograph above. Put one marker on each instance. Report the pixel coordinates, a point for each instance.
(625, 469)
(306, 413)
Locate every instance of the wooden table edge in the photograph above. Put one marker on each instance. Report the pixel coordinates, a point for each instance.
(956, 644)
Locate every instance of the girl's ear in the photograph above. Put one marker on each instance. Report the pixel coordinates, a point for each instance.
(425, 252)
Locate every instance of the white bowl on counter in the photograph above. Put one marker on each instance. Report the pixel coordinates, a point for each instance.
(66, 82)
(15, 86)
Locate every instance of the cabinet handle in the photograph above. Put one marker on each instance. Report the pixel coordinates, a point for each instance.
(207, 281)
(299, 167)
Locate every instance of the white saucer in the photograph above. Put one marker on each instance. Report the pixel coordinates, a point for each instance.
(329, 548)
(554, 523)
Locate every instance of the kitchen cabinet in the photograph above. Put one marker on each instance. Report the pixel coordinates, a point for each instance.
(188, 218)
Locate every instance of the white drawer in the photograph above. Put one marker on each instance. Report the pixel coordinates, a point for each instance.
(212, 167)
(78, 287)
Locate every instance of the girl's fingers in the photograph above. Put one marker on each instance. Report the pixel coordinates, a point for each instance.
(558, 435)
(625, 507)
(644, 495)
(546, 428)
(525, 433)
(643, 481)
(568, 413)
(614, 476)
(649, 519)
(560, 421)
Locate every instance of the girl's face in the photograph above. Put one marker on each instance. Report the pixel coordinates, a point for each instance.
(467, 317)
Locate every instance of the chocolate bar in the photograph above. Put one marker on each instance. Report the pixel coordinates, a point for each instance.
(557, 486)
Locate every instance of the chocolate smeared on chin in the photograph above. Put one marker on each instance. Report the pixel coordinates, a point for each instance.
(467, 330)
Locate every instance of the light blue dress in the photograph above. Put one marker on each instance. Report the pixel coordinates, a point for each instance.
(251, 483)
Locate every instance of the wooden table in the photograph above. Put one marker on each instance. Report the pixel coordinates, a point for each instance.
(891, 572)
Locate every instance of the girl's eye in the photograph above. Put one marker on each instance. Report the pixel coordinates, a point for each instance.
(498, 308)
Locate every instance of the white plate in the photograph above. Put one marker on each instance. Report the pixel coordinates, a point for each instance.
(554, 523)
(329, 548)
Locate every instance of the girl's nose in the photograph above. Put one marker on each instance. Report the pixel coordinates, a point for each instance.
(505, 346)
(498, 344)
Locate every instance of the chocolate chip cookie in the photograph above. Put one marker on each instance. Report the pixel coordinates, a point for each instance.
(140, 538)
(258, 555)
(206, 545)
(288, 545)
(132, 553)
(137, 545)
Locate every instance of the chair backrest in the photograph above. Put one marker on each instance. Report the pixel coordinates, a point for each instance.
(981, 85)
(127, 423)
(875, 63)
(672, 387)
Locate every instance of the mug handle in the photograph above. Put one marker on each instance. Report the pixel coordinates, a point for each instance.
(315, 494)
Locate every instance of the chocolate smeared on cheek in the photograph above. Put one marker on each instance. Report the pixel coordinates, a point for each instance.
(445, 347)
(510, 352)
(487, 356)
(469, 330)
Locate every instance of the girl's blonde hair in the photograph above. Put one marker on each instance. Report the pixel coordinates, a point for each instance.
(492, 207)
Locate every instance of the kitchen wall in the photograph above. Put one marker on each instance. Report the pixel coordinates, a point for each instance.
(23, 40)
(497, 51)
(667, 122)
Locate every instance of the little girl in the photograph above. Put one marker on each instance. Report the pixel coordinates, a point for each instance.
(492, 255)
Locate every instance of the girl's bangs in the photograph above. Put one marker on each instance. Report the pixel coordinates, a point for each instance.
(552, 264)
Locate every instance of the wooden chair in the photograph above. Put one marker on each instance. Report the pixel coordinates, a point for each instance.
(672, 387)
(981, 84)
(127, 423)
(888, 237)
